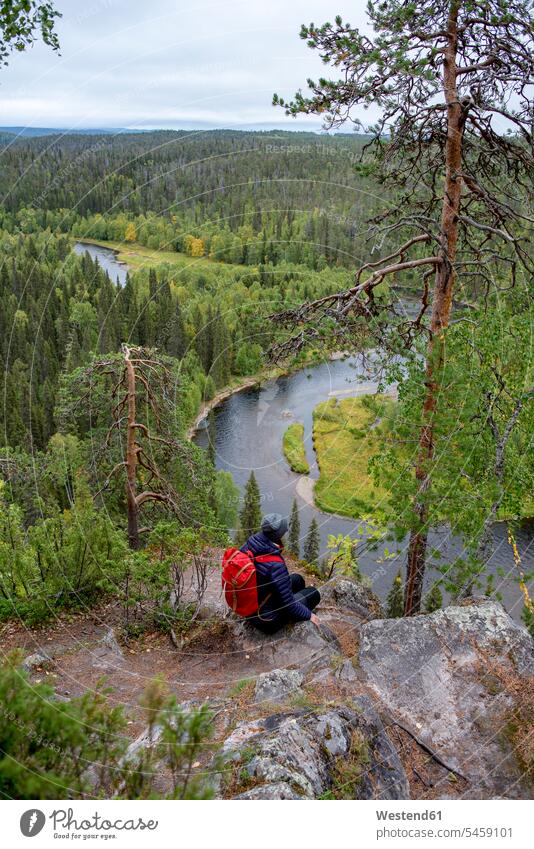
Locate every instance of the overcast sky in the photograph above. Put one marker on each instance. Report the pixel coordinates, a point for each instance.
(168, 63)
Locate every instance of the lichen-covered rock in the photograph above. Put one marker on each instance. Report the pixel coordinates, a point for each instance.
(281, 790)
(444, 676)
(276, 685)
(347, 672)
(38, 658)
(353, 596)
(295, 755)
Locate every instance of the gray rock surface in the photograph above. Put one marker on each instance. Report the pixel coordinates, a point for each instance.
(107, 653)
(302, 646)
(434, 673)
(295, 755)
(353, 596)
(277, 685)
(280, 790)
(38, 658)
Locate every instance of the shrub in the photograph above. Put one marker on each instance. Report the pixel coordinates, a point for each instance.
(72, 750)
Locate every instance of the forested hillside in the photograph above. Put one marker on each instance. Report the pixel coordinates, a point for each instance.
(402, 251)
(238, 197)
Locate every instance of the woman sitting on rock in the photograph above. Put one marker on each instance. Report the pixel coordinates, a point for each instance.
(282, 597)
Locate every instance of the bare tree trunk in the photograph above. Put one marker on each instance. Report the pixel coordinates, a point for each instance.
(441, 309)
(131, 456)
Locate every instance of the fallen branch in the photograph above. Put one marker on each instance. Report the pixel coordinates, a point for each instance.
(434, 755)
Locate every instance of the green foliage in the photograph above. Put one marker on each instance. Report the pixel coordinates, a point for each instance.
(63, 561)
(527, 616)
(395, 599)
(312, 543)
(22, 23)
(434, 599)
(250, 513)
(77, 749)
(349, 770)
(227, 499)
(248, 359)
(343, 556)
(293, 539)
(264, 224)
(294, 449)
(59, 311)
(483, 470)
(153, 585)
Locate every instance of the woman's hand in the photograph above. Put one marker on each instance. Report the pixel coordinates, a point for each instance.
(315, 619)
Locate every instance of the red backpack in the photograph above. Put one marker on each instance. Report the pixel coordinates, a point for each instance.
(239, 580)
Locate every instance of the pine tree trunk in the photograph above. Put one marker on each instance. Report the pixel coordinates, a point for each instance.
(441, 309)
(131, 457)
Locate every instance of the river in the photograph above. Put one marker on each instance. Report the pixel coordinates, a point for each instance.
(249, 427)
(107, 260)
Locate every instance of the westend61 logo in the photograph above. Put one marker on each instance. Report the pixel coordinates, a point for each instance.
(65, 825)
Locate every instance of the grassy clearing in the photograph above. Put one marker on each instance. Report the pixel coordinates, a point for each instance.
(138, 257)
(294, 450)
(345, 437)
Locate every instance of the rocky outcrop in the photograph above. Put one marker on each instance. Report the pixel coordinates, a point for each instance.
(353, 596)
(301, 646)
(456, 682)
(301, 755)
(454, 678)
(276, 685)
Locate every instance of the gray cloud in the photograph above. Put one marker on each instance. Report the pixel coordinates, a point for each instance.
(129, 63)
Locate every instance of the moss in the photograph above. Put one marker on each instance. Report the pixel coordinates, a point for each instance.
(302, 700)
(349, 770)
(242, 689)
(492, 684)
(294, 450)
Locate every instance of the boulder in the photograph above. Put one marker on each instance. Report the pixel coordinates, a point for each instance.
(303, 645)
(37, 659)
(444, 676)
(277, 685)
(107, 653)
(281, 790)
(296, 755)
(353, 596)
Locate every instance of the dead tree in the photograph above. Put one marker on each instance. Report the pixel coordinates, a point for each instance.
(142, 443)
(139, 367)
(452, 80)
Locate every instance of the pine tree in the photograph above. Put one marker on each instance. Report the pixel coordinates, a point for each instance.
(152, 283)
(313, 543)
(395, 600)
(433, 599)
(429, 65)
(250, 514)
(293, 544)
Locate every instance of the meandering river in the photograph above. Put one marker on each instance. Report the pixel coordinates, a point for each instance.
(107, 260)
(249, 427)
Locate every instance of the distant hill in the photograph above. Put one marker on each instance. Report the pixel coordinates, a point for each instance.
(34, 132)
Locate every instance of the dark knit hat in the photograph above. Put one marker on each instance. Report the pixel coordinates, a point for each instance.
(274, 526)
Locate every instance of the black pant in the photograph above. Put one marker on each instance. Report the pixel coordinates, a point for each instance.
(308, 596)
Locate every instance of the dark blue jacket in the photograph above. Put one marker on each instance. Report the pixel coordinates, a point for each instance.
(275, 595)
